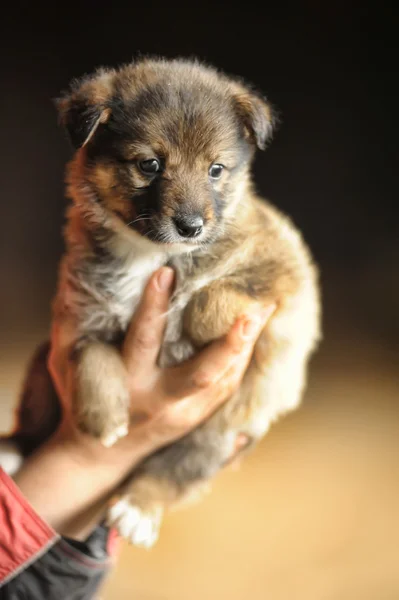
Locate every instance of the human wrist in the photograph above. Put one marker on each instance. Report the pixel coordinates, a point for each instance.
(88, 452)
(69, 482)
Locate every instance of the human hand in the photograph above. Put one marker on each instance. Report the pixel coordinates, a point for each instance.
(166, 403)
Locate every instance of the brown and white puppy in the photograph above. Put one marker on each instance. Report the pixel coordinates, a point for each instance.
(161, 174)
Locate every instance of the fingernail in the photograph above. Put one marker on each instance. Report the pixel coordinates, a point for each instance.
(254, 322)
(164, 279)
(250, 327)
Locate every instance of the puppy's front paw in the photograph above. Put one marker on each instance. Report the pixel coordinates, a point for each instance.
(106, 425)
(110, 438)
(138, 526)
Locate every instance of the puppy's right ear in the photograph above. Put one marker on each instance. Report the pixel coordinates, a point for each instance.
(84, 107)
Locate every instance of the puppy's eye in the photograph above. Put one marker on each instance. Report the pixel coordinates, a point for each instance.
(215, 171)
(150, 166)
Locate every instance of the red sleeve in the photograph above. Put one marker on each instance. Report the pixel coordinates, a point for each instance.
(24, 536)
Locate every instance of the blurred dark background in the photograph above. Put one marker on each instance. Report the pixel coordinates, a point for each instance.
(331, 69)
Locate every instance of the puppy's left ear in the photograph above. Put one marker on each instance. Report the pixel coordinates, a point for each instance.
(257, 115)
(83, 109)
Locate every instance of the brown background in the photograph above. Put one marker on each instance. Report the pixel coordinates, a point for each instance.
(313, 513)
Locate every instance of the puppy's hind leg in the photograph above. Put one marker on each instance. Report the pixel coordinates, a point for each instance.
(174, 476)
(101, 396)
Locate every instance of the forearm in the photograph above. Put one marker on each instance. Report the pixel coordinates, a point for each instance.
(68, 483)
(37, 562)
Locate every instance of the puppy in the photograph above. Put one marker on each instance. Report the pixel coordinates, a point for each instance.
(161, 174)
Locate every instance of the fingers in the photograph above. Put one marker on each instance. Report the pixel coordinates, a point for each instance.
(63, 335)
(212, 364)
(144, 337)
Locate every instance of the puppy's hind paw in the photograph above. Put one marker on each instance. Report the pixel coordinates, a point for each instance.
(137, 526)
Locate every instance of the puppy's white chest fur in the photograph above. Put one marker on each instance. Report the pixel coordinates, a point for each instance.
(107, 295)
(129, 290)
(114, 288)
(132, 280)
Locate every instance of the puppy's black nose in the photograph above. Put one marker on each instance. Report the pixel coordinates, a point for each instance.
(189, 226)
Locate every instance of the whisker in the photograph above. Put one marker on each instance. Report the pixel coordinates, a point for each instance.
(138, 219)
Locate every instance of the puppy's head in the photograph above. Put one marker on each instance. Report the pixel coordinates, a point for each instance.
(164, 146)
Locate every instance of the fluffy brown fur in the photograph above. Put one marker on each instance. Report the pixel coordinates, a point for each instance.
(229, 248)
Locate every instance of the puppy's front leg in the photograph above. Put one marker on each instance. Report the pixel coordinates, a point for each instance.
(101, 396)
